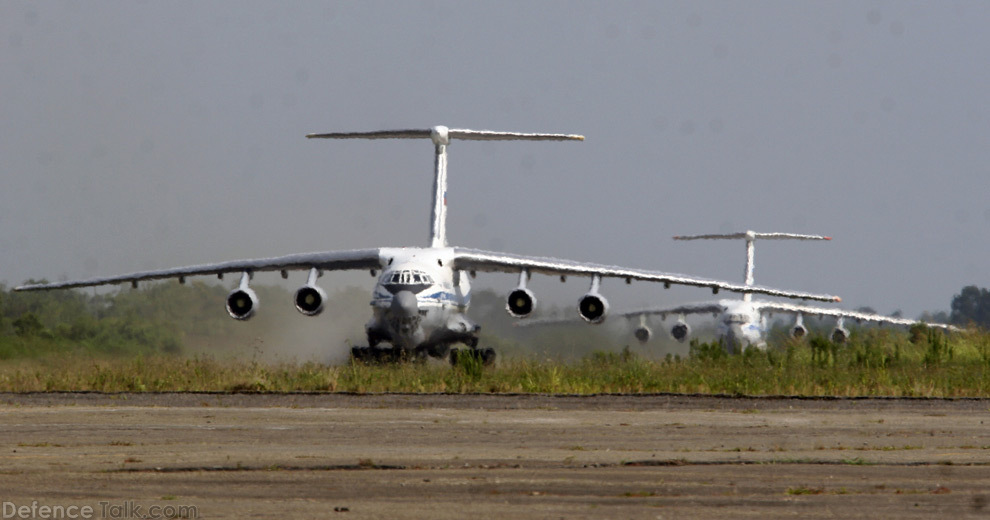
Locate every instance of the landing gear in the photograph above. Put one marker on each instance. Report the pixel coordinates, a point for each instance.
(375, 337)
(382, 352)
(485, 355)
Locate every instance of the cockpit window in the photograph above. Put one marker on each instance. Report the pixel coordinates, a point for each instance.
(409, 277)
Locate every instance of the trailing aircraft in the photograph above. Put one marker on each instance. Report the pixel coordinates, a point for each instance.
(744, 322)
(422, 294)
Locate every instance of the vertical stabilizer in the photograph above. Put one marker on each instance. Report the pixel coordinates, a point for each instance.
(438, 220)
(441, 136)
(751, 237)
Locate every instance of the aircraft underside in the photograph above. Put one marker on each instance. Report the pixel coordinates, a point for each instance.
(396, 337)
(739, 336)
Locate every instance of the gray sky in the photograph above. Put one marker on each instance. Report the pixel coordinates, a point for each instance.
(148, 135)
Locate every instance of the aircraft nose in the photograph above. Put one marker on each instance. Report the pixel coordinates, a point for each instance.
(404, 303)
(736, 331)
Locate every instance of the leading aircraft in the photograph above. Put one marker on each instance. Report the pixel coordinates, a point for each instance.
(743, 322)
(422, 293)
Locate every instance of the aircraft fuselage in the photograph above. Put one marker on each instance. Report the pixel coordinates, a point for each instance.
(741, 323)
(419, 301)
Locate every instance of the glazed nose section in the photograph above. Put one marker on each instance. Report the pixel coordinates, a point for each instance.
(404, 304)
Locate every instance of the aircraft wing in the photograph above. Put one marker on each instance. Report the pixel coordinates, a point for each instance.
(688, 308)
(329, 261)
(477, 260)
(771, 307)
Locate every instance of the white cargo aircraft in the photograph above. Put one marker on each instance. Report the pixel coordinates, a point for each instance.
(744, 322)
(422, 294)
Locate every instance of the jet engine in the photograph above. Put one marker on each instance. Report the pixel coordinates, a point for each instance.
(593, 307)
(310, 299)
(798, 331)
(680, 331)
(520, 303)
(840, 334)
(242, 303)
(643, 333)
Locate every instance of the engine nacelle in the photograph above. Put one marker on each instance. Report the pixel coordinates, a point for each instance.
(798, 331)
(242, 303)
(643, 333)
(593, 307)
(520, 303)
(680, 331)
(310, 299)
(840, 334)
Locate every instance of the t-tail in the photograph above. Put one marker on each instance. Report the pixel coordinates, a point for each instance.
(441, 136)
(751, 237)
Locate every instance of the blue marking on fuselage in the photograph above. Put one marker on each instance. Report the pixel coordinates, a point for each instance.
(439, 297)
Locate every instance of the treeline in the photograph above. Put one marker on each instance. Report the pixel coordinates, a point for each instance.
(163, 317)
(971, 307)
(115, 323)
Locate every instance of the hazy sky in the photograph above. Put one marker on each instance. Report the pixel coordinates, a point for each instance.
(141, 135)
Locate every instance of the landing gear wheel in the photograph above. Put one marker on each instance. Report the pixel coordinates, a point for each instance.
(438, 351)
(361, 354)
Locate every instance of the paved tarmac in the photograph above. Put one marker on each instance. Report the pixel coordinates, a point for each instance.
(484, 456)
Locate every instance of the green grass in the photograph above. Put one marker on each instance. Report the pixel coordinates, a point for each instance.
(805, 490)
(877, 363)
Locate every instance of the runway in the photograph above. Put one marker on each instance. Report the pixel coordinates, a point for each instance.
(485, 456)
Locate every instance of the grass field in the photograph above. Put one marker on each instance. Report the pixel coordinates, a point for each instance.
(876, 362)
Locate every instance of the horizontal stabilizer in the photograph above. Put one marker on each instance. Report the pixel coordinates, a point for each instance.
(488, 135)
(751, 237)
(755, 235)
(441, 136)
(379, 134)
(451, 133)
